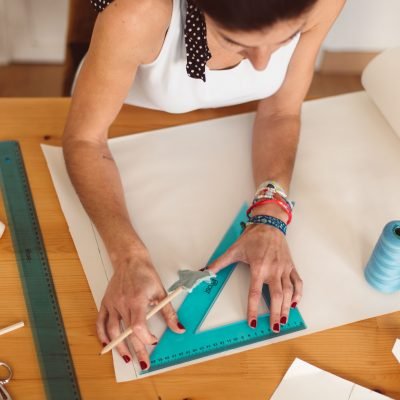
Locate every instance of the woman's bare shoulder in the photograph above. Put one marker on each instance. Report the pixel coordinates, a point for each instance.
(144, 9)
(324, 13)
(137, 26)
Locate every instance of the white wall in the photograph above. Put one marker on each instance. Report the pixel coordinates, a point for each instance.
(4, 45)
(366, 25)
(36, 29)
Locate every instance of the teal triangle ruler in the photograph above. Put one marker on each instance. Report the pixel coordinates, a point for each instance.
(174, 349)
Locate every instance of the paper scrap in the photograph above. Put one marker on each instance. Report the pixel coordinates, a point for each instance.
(304, 381)
(2, 229)
(396, 349)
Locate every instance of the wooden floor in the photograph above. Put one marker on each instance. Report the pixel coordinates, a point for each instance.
(31, 80)
(324, 85)
(27, 80)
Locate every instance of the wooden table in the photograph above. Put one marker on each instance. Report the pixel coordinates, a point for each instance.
(360, 352)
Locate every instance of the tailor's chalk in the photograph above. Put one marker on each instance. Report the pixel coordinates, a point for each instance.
(189, 279)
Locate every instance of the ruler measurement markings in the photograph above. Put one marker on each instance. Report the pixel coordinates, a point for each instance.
(40, 297)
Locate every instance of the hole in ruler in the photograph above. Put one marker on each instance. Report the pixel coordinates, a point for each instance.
(7, 160)
(231, 304)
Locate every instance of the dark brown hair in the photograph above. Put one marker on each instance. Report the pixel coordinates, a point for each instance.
(247, 15)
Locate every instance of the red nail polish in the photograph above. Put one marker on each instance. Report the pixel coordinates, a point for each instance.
(276, 327)
(143, 365)
(283, 320)
(294, 304)
(180, 326)
(104, 344)
(253, 323)
(126, 359)
(153, 344)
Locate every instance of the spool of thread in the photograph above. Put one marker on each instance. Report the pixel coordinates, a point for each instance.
(383, 269)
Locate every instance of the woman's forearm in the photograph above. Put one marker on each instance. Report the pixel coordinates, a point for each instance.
(275, 141)
(97, 182)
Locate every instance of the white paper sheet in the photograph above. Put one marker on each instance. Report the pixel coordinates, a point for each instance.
(345, 185)
(304, 381)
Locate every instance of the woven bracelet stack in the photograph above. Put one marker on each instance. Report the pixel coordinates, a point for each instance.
(270, 192)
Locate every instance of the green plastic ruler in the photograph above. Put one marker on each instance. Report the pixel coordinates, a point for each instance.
(174, 349)
(40, 297)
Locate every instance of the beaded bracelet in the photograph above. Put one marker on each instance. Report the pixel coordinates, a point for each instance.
(266, 220)
(283, 205)
(271, 186)
(271, 196)
(270, 190)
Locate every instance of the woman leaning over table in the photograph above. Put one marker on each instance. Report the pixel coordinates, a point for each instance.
(177, 56)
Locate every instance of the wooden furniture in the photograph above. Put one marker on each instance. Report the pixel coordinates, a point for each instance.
(80, 25)
(360, 352)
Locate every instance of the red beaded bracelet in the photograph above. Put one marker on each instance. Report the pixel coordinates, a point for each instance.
(283, 205)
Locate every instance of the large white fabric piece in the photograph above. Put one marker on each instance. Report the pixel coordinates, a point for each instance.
(184, 185)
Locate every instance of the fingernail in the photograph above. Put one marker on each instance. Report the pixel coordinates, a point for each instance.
(143, 365)
(283, 320)
(253, 323)
(104, 344)
(153, 344)
(126, 359)
(294, 304)
(180, 326)
(276, 327)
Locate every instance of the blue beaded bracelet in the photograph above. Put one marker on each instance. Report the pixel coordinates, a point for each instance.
(267, 220)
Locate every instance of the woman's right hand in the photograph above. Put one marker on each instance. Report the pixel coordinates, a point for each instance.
(134, 287)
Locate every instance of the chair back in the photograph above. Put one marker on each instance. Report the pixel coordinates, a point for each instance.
(82, 17)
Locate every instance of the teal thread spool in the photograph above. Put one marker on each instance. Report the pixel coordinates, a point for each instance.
(383, 269)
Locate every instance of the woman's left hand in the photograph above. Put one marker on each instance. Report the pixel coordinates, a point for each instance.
(264, 248)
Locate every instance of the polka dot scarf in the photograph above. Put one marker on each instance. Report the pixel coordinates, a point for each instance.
(100, 5)
(197, 51)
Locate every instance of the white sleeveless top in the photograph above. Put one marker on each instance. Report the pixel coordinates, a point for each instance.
(164, 84)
